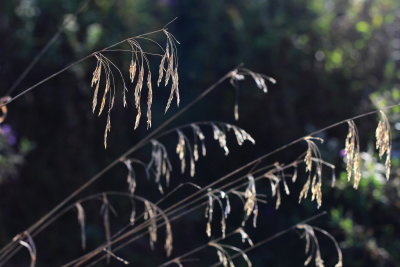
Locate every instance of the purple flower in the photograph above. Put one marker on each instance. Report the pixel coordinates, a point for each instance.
(342, 153)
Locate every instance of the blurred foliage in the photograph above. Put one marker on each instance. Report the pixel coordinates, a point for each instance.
(332, 59)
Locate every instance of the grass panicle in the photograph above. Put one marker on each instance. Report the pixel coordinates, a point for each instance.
(384, 141)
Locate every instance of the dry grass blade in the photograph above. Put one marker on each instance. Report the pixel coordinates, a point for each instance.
(384, 141)
(81, 221)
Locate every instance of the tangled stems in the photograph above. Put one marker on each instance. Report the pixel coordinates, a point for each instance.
(9, 249)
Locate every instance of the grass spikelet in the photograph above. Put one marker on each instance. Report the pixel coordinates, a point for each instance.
(161, 67)
(224, 257)
(105, 211)
(176, 87)
(383, 141)
(170, 67)
(168, 240)
(131, 177)
(138, 91)
(151, 214)
(250, 205)
(171, 72)
(181, 150)
(149, 100)
(221, 138)
(132, 70)
(199, 134)
(241, 135)
(275, 187)
(304, 190)
(159, 163)
(107, 130)
(353, 158)
(111, 254)
(312, 149)
(96, 82)
(312, 245)
(338, 250)
(30, 246)
(313, 155)
(81, 221)
(3, 108)
(209, 212)
(245, 237)
(294, 176)
(239, 74)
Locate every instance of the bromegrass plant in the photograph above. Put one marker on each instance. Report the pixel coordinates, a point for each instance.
(247, 183)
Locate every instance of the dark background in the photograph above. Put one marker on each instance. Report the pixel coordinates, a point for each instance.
(332, 60)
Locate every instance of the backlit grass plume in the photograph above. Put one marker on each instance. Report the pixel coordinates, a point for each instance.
(384, 141)
(108, 74)
(353, 158)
